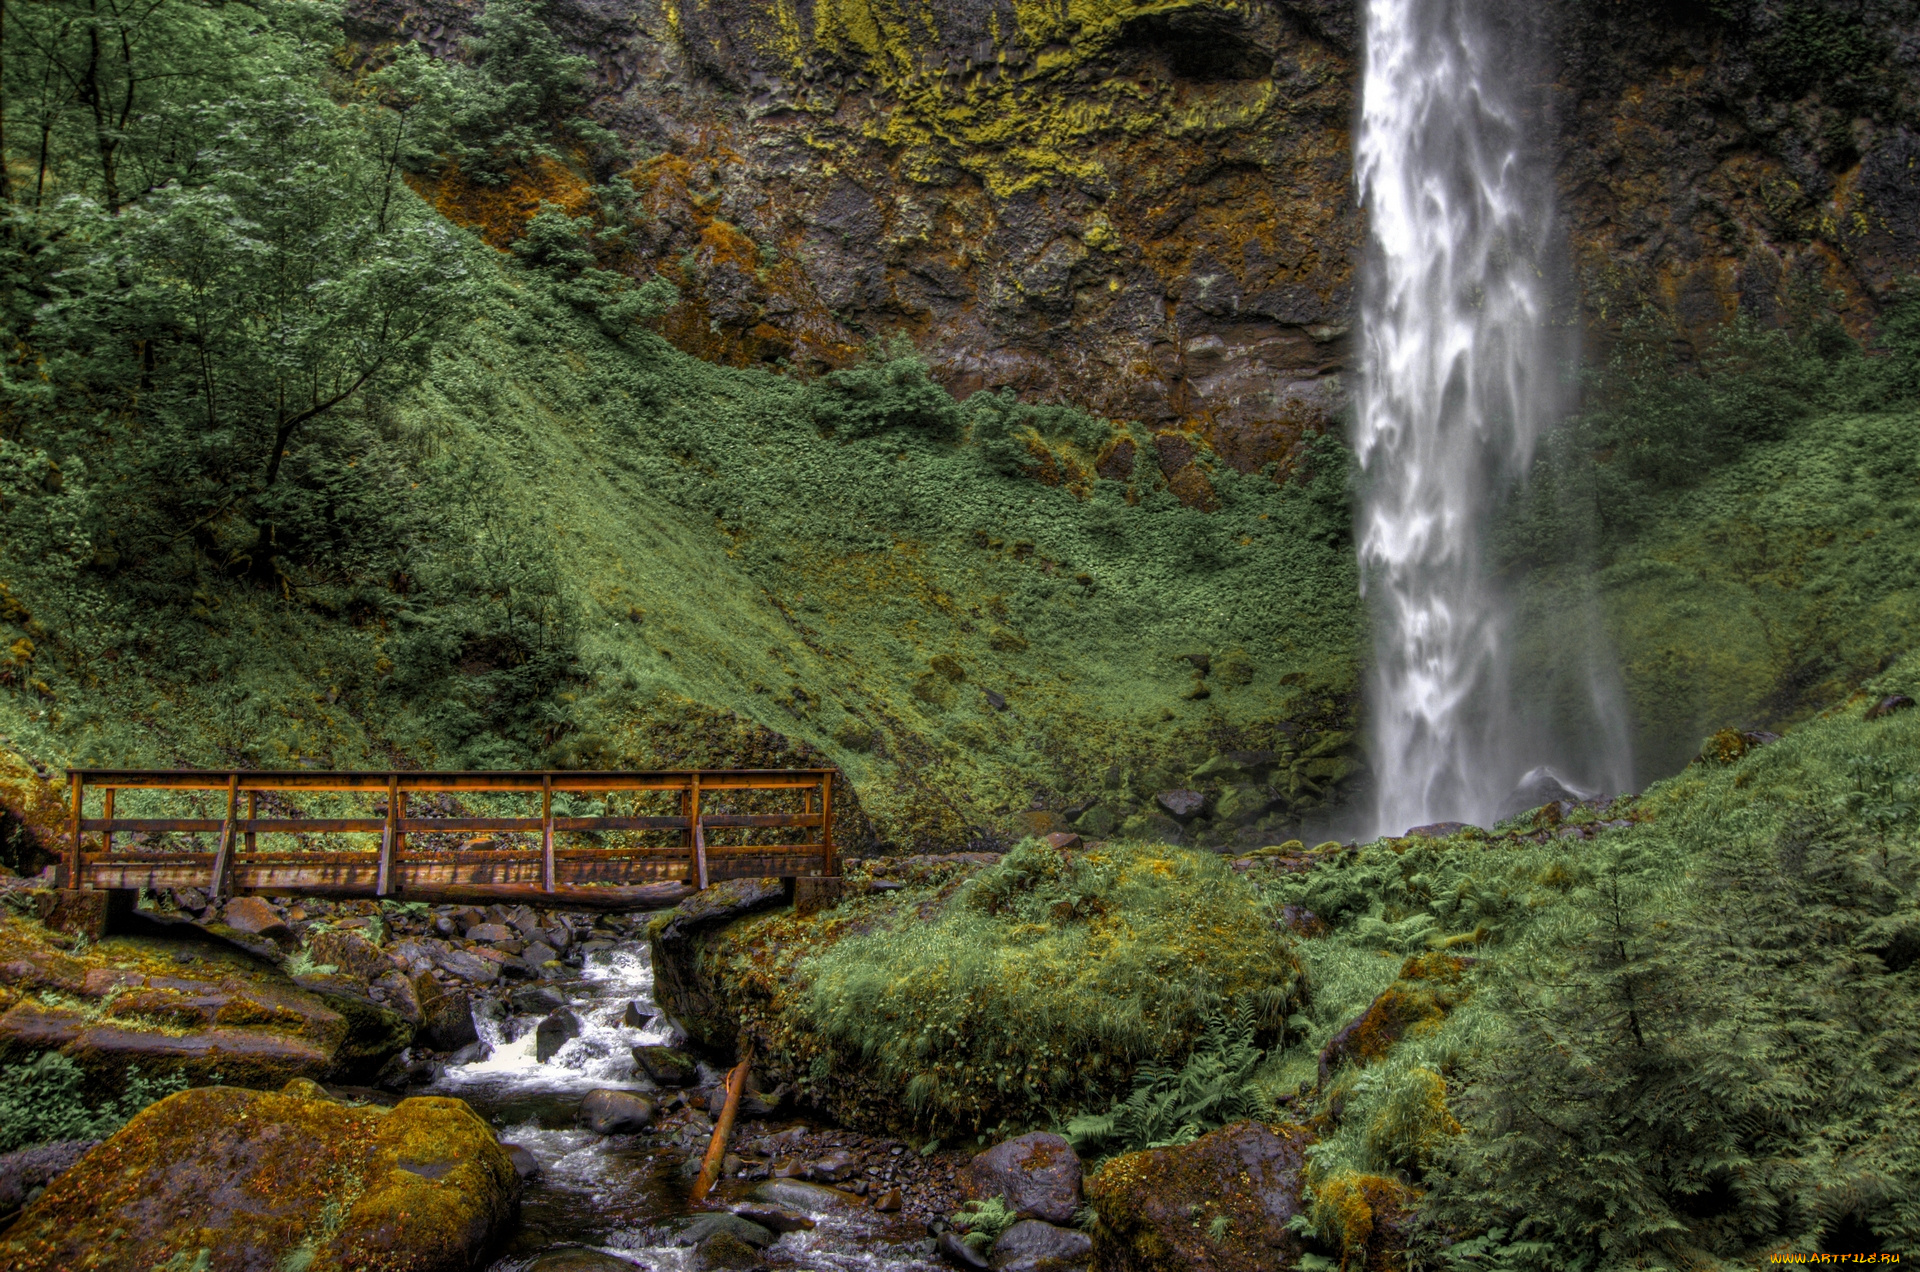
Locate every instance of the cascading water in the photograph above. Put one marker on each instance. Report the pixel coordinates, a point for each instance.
(1459, 377)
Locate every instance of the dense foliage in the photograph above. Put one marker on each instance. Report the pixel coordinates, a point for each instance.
(1685, 1041)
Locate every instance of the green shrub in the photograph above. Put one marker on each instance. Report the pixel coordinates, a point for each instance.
(1049, 978)
(44, 1101)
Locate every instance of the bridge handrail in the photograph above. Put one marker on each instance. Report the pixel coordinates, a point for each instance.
(394, 827)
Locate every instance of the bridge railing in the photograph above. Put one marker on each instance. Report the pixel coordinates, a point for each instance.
(397, 868)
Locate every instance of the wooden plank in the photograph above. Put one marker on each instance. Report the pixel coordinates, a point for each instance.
(264, 825)
(223, 857)
(577, 781)
(761, 819)
(253, 812)
(564, 858)
(106, 840)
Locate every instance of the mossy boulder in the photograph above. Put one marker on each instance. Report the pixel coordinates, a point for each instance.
(1222, 1203)
(220, 1178)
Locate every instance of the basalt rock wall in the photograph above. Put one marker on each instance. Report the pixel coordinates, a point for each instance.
(1145, 206)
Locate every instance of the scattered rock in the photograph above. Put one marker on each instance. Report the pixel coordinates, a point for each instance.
(525, 1164)
(349, 951)
(1037, 1174)
(1438, 830)
(613, 1112)
(554, 1033)
(959, 1253)
(888, 1202)
(773, 1217)
(1540, 786)
(832, 1168)
(1181, 804)
(578, 1259)
(1033, 1246)
(256, 1175)
(1157, 1208)
(468, 967)
(634, 1018)
(490, 932)
(1064, 841)
(1888, 705)
(539, 954)
(724, 1250)
(394, 990)
(701, 1228)
(666, 1066)
(256, 918)
(446, 1018)
(534, 1000)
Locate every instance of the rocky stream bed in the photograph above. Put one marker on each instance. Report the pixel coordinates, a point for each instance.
(458, 1087)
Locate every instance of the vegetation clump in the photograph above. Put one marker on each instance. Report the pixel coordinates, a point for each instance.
(1031, 989)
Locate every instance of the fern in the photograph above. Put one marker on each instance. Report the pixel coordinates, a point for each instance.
(1171, 1106)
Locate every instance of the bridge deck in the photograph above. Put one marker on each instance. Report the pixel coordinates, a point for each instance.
(705, 800)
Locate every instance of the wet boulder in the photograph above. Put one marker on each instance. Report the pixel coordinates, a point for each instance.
(666, 1066)
(811, 1198)
(446, 1015)
(613, 1112)
(1033, 1246)
(220, 1178)
(1038, 1176)
(635, 1018)
(535, 1000)
(25, 1172)
(1158, 1209)
(554, 1033)
(256, 918)
(350, 952)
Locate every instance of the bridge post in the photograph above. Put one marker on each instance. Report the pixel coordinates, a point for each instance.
(830, 867)
(698, 836)
(73, 847)
(223, 856)
(546, 832)
(383, 876)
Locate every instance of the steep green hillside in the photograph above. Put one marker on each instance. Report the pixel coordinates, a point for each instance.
(293, 472)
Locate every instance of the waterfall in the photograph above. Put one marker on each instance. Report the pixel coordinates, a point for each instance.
(1460, 374)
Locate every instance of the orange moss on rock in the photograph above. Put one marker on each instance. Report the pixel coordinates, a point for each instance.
(1370, 1216)
(499, 214)
(221, 1178)
(1428, 987)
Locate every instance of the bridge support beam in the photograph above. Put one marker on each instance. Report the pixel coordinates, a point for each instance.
(90, 912)
(812, 894)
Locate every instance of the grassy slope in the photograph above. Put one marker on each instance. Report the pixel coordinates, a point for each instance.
(729, 565)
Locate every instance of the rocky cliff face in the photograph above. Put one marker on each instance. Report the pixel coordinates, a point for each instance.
(1145, 207)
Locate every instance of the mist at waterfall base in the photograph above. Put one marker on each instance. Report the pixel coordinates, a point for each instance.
(1463, 367)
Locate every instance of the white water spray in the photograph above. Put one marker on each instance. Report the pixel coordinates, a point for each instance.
(1458, 380)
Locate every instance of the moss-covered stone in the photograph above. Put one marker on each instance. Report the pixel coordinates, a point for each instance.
(1222, 1203)
(222, 1178)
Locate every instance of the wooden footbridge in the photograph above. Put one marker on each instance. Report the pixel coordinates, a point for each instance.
(776, 822)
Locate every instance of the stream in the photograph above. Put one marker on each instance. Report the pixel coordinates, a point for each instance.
(599, 1202)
